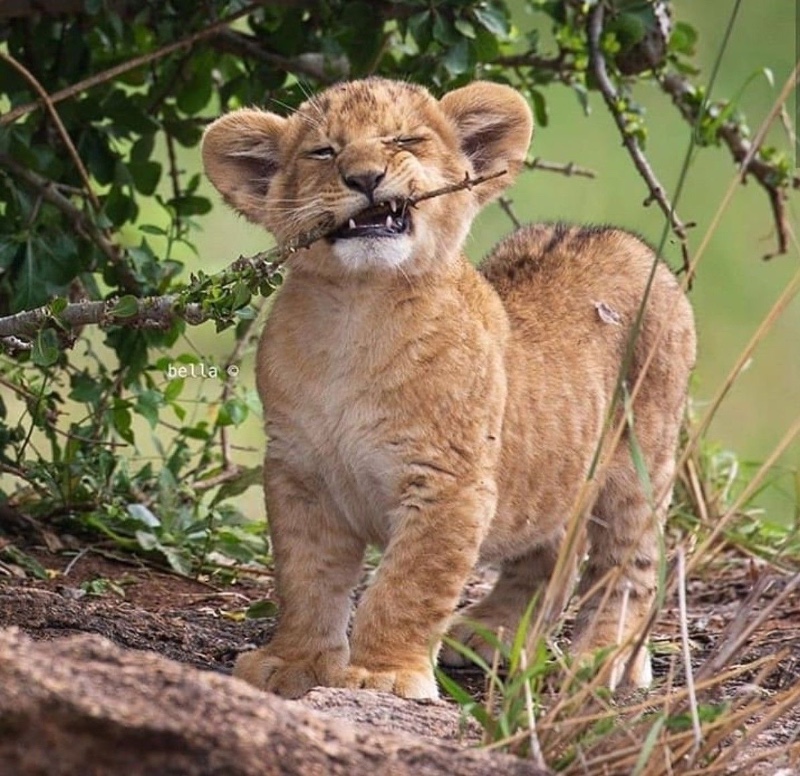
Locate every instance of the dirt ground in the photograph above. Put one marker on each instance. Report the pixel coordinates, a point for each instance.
(202, 624)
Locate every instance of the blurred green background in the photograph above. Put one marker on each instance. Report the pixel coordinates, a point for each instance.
(735, 288)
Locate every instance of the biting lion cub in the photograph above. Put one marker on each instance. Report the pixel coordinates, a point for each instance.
(449, 415)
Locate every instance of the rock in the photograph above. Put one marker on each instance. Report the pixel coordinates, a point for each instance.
(85, 705)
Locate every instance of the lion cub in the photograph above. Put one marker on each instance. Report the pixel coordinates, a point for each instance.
(447, 414)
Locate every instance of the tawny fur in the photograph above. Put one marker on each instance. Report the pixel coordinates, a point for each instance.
(446, 414)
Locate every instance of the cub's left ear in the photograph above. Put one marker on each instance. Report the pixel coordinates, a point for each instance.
(494, 125)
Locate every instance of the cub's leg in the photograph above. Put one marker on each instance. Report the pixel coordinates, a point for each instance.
(317, 564)
(624, 534)
(400, 620)
(520, 580)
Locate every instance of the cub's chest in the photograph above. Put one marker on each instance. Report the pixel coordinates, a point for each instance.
(327, 415)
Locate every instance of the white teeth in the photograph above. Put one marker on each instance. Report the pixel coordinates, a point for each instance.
(351, 224)
(389, 222)
(393, 205)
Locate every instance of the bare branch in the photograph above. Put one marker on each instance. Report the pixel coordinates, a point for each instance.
(316, 66)
(507, 206)
(569, 169)
(467, 183)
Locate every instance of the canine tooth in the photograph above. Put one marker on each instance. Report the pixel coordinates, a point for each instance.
(389, 222)
(393, 205)
(351, 223)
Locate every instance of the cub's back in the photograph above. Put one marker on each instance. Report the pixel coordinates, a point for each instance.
(560, 281)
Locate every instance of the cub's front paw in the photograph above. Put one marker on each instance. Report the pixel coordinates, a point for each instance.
(287, 677)
(470, 635)
(407, 683)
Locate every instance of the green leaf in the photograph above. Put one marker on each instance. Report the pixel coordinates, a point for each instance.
(142, 149)
(122, 420)
(444, 31)
(241, 296)
(126, 307)
(148, 404)
(143, 515)
(24, 561)
(539, 108)
(58, 305)
(147, 541)
(86, 388)
(173, 389)
(146, 176)
(457, 59)
(192, 205)
(153, 229)
(647, 747)
(247, 479)
(420, 26)
(492, 19)
(683, 39)
(9, 248)
(233, 412)
(260, 610)
(465, 28)
(45, 348)
(178, 560)
(196, 94)
(637, 455)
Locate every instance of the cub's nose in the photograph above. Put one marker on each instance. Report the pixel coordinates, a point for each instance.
(366, 181)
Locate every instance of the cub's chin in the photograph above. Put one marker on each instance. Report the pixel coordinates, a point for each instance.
(373, 251)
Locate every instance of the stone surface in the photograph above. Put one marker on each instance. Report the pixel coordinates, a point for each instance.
(85, 705)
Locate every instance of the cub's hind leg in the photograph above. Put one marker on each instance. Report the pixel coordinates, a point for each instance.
(520, 580)
(618, 584)
(317, 564)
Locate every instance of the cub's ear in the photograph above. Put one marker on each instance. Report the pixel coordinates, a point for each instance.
(241, 156)
(494, 125)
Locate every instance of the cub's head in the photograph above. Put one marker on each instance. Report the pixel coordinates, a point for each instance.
(348, 158)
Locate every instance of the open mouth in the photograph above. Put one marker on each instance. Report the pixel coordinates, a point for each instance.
(387, 219)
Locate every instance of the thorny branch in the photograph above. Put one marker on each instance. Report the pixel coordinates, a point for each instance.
(611, 98)
(161, 311)
(569, 169)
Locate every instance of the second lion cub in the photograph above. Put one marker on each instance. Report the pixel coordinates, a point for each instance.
(447, 414)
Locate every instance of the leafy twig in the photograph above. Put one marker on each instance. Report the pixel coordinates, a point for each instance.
(745, 152)
(161, 311)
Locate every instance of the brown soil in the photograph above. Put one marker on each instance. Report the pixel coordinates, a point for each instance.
(203, 625)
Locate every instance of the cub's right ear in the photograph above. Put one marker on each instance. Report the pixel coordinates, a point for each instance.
(241, 157)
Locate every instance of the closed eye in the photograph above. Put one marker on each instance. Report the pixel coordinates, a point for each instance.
(404, 141)
(323, 153)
